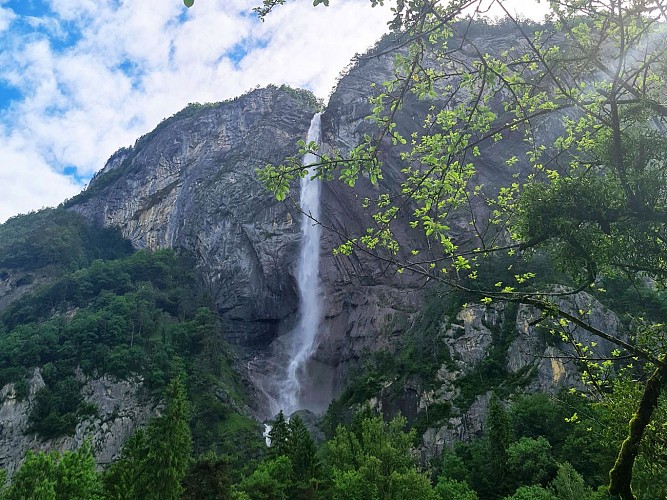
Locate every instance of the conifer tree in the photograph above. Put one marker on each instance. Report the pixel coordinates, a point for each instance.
(125, 479)
(170, 445)
(302, 449)
(279, 436)
(499, 437)
(154, 461)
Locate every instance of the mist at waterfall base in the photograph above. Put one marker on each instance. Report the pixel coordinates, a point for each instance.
(296, 386)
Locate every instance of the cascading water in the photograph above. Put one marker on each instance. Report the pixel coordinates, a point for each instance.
(308, 266)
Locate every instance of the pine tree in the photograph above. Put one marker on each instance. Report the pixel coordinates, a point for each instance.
(154, 461)
(169, 445)
(499, 437)
(302, 450)
(127, 478)
(279, 435)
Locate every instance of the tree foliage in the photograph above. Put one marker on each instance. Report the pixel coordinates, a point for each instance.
(137, 315)
(56, 238)
(54, 476)
(374, 460)
(581, 101)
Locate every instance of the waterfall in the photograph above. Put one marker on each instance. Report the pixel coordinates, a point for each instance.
(310, 307)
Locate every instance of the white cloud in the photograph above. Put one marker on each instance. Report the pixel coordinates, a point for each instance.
(6, 17)
(27, 182)
(135, 63)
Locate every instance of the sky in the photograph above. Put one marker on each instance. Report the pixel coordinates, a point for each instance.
(81, 78)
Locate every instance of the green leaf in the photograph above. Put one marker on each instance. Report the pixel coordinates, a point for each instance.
(189, 3)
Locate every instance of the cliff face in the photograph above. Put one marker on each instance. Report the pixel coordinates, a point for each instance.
(119, 411)
(533, 359)
(191, 185)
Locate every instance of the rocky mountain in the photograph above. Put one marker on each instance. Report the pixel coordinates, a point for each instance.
(191, 185)
(120, 411)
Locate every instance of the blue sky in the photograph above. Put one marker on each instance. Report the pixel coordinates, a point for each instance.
(81, 78)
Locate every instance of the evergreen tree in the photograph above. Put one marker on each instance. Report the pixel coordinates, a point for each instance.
(499, 435)
(77, 476)
(534, 492)
(154, 462)
(529, 461)
(47, 476)
(568, 484)
(126, 478)
(35, 478)
(3, 482)
(453, 467)
(301, 449)
(279, 436)
(170, 445)
(209, 478)
(270, 481)
(451, 489)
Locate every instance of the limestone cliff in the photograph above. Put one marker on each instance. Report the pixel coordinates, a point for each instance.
(496, 347)
(191, 185)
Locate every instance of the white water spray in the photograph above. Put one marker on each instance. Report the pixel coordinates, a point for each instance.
(308, 267)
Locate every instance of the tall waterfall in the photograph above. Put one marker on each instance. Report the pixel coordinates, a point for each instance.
(308, 266)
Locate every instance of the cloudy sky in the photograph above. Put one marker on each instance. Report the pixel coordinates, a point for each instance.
(81, 78)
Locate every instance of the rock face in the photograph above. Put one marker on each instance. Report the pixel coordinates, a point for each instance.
(191, 185)
(14, 284)
(540, 360)
(120, 411)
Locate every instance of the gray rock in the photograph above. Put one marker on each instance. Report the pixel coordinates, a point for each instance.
(14, 284)
(553, 359)
(191, 185)
(549, 362)
(465, 427)
(120, 412)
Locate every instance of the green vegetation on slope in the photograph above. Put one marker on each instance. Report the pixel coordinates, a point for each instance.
(531, 449)
(131, 315)
(58, 239)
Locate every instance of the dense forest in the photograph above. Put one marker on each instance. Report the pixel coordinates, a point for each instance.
(101, 309)
(534, 448)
